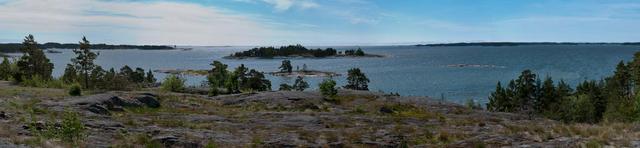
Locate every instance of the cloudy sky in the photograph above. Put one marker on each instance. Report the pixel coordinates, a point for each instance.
(319, 22)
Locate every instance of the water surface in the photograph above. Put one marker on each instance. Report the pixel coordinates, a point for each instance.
(408, 70)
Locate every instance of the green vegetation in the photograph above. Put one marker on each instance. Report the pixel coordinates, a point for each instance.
(285, 87)
(300, 84)
(15, 47)
(222, 81)
(356, 80)
(328, 88)
(5, 69)
(75, 90)
(357, 52)
(613, 99)
(33, 62)
(291, 50)
(70, 130)
(84, 60)
(91, 76)
(173, 83)
(286, 66)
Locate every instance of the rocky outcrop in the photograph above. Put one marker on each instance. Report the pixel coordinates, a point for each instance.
(104, 104)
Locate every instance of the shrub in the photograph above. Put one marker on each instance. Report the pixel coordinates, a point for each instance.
(285, 87)
(71, 130)
(300, 84)
(173, 83)
(75, 90)
(328, 88)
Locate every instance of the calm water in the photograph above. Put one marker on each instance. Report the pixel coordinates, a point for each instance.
(408, 70)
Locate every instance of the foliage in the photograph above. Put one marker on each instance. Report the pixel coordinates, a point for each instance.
(291, 50)
(328, 88)
(5, 69)
(240, 79)
(173, 83)
(612, 99)
(357, 52)
(75, 90)
(357, 80)
(285, 87)
(15, 47)
(34, 62)
(150, 79)
(286, 66)
(83, 61)
(300, 84)
(70, 130)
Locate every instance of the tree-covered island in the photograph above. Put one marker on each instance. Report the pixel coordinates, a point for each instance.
(298, 51)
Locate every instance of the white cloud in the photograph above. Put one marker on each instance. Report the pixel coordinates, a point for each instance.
(142, 22)
(283, 5)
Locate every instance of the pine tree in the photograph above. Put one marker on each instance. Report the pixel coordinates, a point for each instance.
(150, 79)
(33, 61)
(286, 66)
(357, 80)
(84, 60)
(300, 84)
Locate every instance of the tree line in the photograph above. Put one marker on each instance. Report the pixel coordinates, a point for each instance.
(291, 50)
(33, 68)
(613, 99)
(15, 47)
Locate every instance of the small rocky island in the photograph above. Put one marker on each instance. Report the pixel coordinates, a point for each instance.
(298, 51)
(305, 73)
(192, 72)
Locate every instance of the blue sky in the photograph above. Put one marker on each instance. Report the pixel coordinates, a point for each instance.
(319, 22)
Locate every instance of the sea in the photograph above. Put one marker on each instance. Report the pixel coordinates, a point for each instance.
(453, 73)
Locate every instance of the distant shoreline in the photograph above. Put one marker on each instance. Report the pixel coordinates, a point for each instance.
(524, 44)
(15, 47)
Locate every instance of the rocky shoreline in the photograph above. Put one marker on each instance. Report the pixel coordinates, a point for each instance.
(286, 119)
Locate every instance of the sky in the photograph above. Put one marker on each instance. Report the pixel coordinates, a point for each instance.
(319, 22)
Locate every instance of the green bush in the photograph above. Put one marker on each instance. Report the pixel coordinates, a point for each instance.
(75, 90)
(173, 83)
(328, 88)
(285, 87)
(71, 130)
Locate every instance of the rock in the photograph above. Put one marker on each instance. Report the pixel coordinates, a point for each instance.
(117, 101)
(149, 100)
(173, 141)
(98, 109)
(386, 110)
(3, 115)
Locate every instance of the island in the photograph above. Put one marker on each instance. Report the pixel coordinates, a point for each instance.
(305, 73)
(191, 72)
(15, 47)
(297, 51)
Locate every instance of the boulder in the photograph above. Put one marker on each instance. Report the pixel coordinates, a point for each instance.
(98, 109)
(173, 141)
(149, 100)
